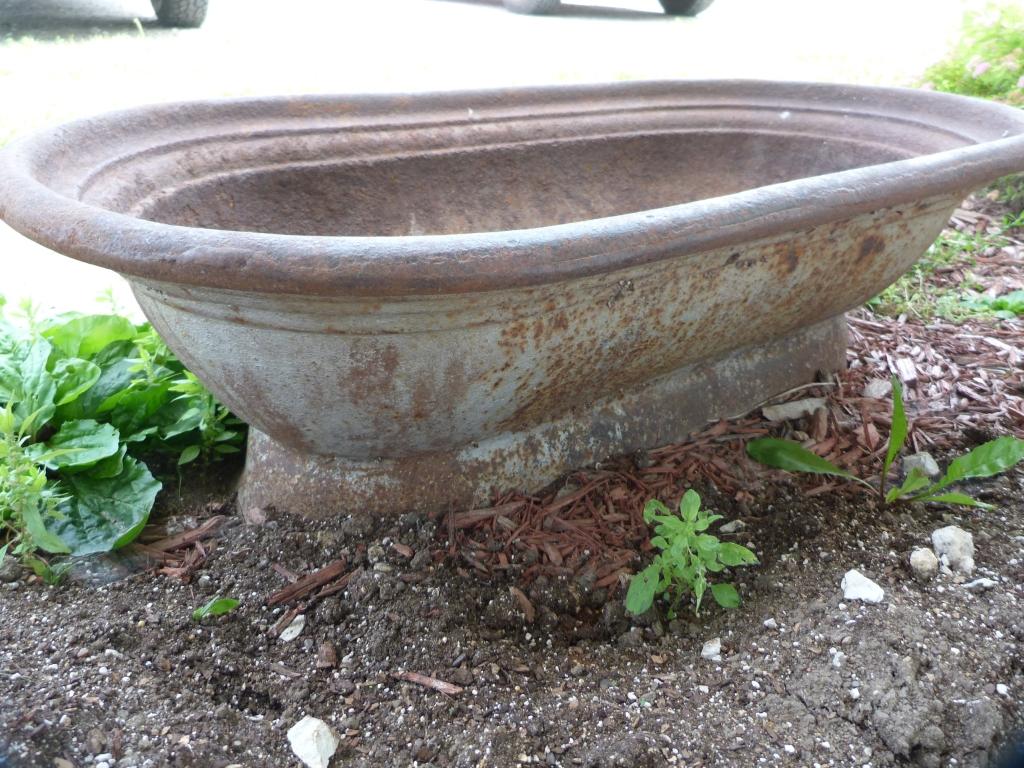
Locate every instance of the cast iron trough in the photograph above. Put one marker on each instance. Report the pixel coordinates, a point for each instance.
(416, 299)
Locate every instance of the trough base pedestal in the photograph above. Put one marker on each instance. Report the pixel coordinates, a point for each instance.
(662, 411)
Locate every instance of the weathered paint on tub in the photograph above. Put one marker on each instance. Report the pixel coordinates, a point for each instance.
(416, 299)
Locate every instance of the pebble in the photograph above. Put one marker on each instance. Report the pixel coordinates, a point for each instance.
(922, 462)
(955, 548)
(857, 586)
(313, 742)
(794, 409)
(712, 649)
(980, 585)
(877, 388)
(1002, 689)
(293, 630)
(420, 560)
(733, 526)
(771, 624)
(924, 564)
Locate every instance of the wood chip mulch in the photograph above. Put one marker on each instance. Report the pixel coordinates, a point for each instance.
(963, 384)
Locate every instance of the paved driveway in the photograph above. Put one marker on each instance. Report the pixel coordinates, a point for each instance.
(60, 59)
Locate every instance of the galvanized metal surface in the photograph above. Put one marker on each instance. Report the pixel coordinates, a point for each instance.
(454, 284)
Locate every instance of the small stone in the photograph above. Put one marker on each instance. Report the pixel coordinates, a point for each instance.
(955, 548)
(854, 693)
(326, 656)
(733, 526)
(10, 570)
(980, 585)
(294, 629)
(794, 409)
(1002, 689)
(789, 749)
(857, 586)
(420, 560)
(375, 553)
(924, 564)
(60, 762)
(712, 649)
(876, 389)
(254, 516)
(922, 462)
(313, 742)
(634, 638)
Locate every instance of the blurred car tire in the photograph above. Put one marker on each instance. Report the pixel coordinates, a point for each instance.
(685, 7)
(180, 13)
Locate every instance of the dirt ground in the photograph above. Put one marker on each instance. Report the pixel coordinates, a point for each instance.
(516, 612)
(120, 674)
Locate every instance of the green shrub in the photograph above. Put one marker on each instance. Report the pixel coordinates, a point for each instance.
(83, 399)
(988, 60)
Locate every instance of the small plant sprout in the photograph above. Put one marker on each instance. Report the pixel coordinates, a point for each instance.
(686, 556)
(992, 458)
(218, 606)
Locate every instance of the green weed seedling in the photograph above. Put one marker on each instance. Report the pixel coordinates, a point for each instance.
(992, 458)
(686, 556)
(218, 606)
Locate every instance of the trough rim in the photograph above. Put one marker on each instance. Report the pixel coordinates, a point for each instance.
(423, 265)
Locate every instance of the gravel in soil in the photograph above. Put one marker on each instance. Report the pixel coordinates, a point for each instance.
(120, 674)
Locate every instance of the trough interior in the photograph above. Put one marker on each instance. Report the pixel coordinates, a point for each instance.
(516, 186)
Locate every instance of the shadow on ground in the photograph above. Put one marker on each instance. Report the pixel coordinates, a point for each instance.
(581, 11)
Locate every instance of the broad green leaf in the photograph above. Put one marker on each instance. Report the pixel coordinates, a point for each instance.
(793, 457)
(112, 466)
(915, 481)
(86, 335)
(706, 543)
(689, 506)
(73, 377)
(725, 595)
(734, 554)
(82, 444)
(898, 431)
(191, 453)
(41, 536)
(218, 606)
(955, 498)
(642, 588)
(699, 586)
(659, 542)
(3, 552)
(25, 381)
(106, 513)
(986, 460)
(654, 507)
(705, 521)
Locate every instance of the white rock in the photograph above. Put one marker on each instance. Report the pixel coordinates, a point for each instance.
(712, 649)
(924, 564)
(794, 409)
(980, 585)
(293, 630)
(771, 624)
(313, 742)
(854, 693)
(732, 526)
(922, 461)
(877, 388)
(857, 586)
(1002, 689)
(955, 548)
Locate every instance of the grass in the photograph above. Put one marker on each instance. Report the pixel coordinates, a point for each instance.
(918, 293)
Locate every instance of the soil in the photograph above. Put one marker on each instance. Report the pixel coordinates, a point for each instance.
(121, 669)
(523, 614)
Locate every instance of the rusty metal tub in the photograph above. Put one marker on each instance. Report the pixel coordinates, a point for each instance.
(416, 299)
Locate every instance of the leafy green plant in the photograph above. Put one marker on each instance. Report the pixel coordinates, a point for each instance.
(988, 60)
(84, 399)
(1007, 306)
(686, 556)
(991, 458)
(218, 606)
